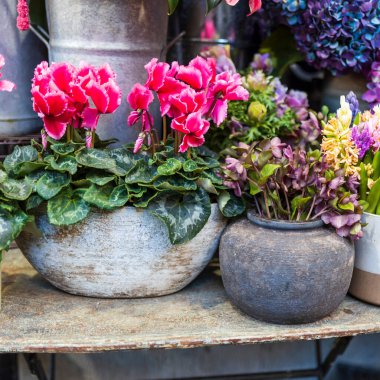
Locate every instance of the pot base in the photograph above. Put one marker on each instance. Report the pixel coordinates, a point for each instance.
(365, 286)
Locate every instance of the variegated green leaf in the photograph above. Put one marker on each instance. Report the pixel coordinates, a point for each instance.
(33, 201)
(141, 173)
(67, 208)
(11, 224)
(24, 168)
(51, 183)
(19, 155)
(19, 189)
(99, 178)
(170, 167)
(96, 158)
(175, 183)
(230, 205)
(184, 215)
(63, 149)
(65, 164)
(125, 160)
(106, 197)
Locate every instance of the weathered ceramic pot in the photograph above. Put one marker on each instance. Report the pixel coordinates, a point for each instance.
(127, 34)
(285, 273)
(121, 254)
(22, 52)
(365, 283)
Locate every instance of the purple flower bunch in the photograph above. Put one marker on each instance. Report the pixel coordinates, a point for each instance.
(292, 183)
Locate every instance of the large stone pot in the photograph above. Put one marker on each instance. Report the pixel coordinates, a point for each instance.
(127, 34)
(22, 52)
(365, 283)
(285, 276)
(124, 253)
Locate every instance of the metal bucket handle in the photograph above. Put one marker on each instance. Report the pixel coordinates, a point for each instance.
(42, 35)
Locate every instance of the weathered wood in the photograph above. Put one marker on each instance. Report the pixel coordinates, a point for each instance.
(38, 318)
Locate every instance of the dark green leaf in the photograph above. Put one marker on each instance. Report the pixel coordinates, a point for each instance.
(33, 201)
(211, 4)
(51, 183)
(141, 173)
(106, 197)
(96, 158)
(172, 5)
(63, 149)
(206, 183)
(190, 166)
(170, 167)
(19, 189)
(175, 183)
(99, 178)
(65, 164)
(11, 224)
(67, 208)
(147, 197)
(125, 160)
(184, 215)
(19, 155)
(229, 205)
(25, 168)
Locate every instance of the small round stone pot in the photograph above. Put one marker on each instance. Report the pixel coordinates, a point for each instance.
(365, 283)
(285, 272)
(121, 254)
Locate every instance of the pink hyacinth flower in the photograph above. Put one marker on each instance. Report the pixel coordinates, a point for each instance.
(23, 15)
(5, 85)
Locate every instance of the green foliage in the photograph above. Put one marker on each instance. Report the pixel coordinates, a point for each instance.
(71, 180)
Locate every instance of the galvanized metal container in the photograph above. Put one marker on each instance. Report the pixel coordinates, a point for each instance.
(124, 33)
(22, 52)
(285, 274)
(121, 254)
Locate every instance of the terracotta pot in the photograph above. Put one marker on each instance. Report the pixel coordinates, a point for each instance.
(127, 34)
(22, 52)
(365, 283)
(286, 273)
(121, 254)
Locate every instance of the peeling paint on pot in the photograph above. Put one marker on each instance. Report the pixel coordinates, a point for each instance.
(121, 254)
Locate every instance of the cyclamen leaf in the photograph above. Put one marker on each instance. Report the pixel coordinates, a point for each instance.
(51, 183)
(33, 201)
(19, 189)
(19, 155)
(190, 166)
(206, 183)
(11, 224)
(67, 208)
(65, 164)
(145, 199)
(62, 149)
(170, 167)
(107, 197)
(174, 183)
(141, 173)
(229, 205)
(125, 160)
(96, 158)
(184, 215)
(3, 176)
(99, 178)
(25, 168)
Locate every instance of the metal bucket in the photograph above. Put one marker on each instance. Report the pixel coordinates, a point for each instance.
(124, 33)
(22, 52)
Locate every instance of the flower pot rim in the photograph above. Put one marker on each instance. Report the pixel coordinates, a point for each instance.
(283, 224)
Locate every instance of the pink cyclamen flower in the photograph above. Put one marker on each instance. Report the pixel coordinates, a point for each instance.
(23, 15)
(254, 5)
(226, 87)
(5, 85)
(139, 98)
(62, 93)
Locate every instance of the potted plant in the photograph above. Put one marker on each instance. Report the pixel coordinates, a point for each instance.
(363, 134)
(282, 265)
(134, 221)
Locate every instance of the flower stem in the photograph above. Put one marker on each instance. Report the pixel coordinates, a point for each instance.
(164, 129)
(311, 208)
(266, 204)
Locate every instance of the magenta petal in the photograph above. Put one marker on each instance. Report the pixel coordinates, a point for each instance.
(105, 73)
(133, 118)
(54, 128)
(90, 118)
(57, 104)
(191, 76)
(98, 96)
(219, 113)
(40, 104)
(114, 95)
(6, 85)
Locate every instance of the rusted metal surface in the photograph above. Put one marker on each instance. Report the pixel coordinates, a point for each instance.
(35, 317)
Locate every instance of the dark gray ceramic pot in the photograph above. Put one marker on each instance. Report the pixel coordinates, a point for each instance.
(286, 274)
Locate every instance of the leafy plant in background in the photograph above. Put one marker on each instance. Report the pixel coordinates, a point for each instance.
(73, 171)
(271, 111)
(293, 183)
(352, 141)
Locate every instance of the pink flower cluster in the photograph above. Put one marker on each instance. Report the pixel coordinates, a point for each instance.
(23, 22)
(65, 95)
(5, 85)
(254, 5)
(190, 95)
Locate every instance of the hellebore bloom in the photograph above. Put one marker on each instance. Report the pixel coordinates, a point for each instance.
(5, 85)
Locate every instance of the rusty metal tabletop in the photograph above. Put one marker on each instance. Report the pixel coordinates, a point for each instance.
(36, 317)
